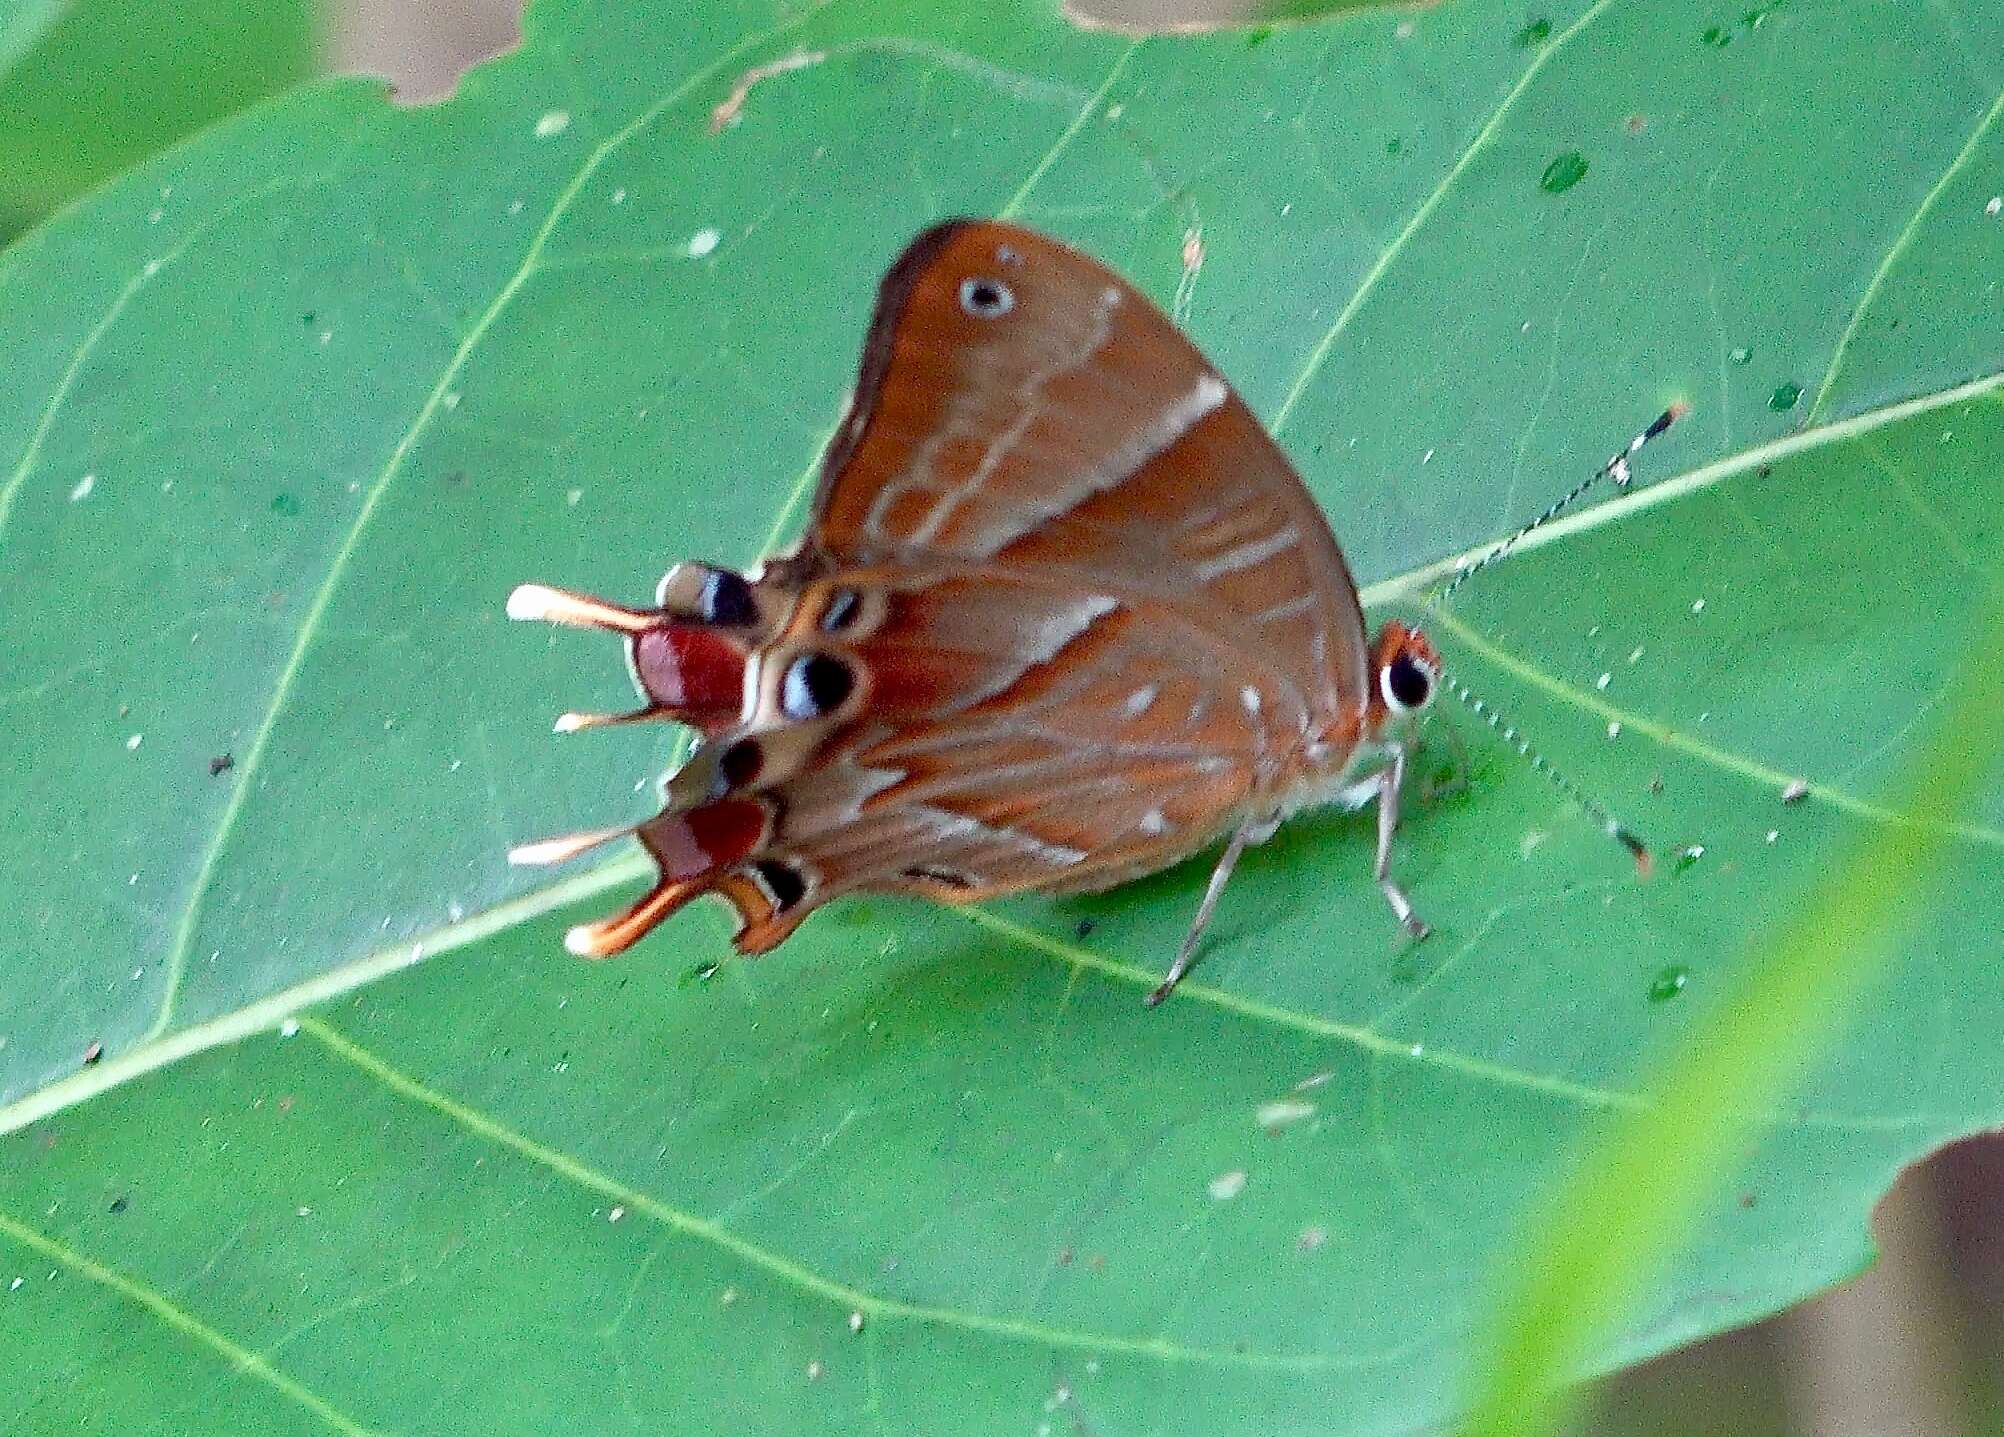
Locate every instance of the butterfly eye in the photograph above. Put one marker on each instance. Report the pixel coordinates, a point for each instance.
(814, 684)
(1406, 683)
(986, 298)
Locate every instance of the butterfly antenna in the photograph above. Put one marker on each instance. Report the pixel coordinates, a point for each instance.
(1615, 469)
(1609, 824)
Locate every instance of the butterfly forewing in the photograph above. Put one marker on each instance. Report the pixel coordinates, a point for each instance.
(1077, 429)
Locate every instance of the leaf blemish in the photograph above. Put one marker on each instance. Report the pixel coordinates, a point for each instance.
(1278, 1114)
(731, 110)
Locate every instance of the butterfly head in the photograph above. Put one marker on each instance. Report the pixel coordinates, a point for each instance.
(1405, 673)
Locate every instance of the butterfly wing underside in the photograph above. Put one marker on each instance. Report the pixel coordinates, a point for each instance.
(1062, 614)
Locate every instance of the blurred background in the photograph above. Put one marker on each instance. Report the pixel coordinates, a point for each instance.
(1914, 1346)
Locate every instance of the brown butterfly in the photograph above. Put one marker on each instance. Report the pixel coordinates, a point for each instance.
(1063, 615)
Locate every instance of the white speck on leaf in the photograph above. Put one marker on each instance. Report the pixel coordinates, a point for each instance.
(1282, 1111)
(1226, 1186)
(1996, 205)
(553, 123)
(1773, 834)
(1418, 1050)
(289, 1028)
(704, 242)
(134, 740)
(1614, 728)
(83, 487)
(619, 197)
(1697, 606)
(856, 1321)
(573, 496)
(1797, 790)
(616, 1214)
(1603, 681)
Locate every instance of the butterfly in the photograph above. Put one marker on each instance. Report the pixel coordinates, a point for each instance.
(1063, 615)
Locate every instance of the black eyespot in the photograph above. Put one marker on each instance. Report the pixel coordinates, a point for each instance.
(725, 598)
(946, 876)
(843, 606)
(740, 763)
(986, 298)
(782, 881)
(814, 684)
(1408, 684)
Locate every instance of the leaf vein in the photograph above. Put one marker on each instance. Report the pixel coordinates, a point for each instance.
(434, 403)
(1896, 250)
(796, 1274)
(1319, 355)
(239, 1357)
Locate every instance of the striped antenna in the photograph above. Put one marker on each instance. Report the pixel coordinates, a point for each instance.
(1617, 470)
(1609, 824)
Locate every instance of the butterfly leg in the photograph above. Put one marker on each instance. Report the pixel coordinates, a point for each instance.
(1391, 782)
(1186, 956)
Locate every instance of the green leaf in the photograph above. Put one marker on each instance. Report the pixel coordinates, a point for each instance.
(89, 87)
(22, 22)
(1610, 1221)
(373, 367)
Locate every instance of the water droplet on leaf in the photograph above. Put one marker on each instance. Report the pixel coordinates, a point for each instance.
(1563, 173)
(1669, 983)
